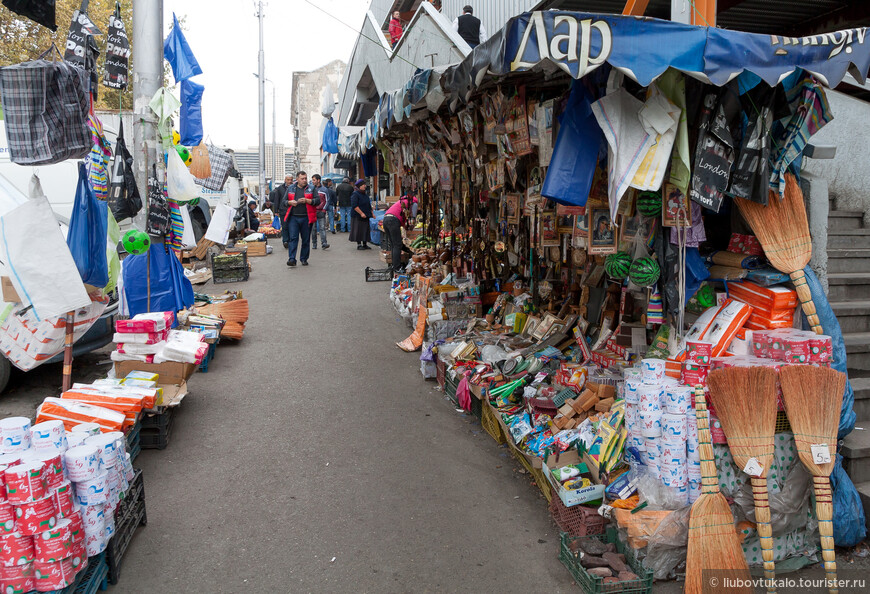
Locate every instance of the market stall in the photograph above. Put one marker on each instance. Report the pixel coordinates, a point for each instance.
(616, 238)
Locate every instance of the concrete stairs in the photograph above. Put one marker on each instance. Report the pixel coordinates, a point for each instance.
(849, 294)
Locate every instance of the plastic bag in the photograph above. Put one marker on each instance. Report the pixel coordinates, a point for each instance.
(179, 182)
(124, 198)
(190, 126)
(170, 290)
(849, 521)
(87, 235)
(330, 138)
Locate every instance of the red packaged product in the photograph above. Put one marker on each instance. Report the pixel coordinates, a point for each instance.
(25, 482)
(77, 527)
(36, 516)
(16, 549)
(55, 544)
(63, 499)
(7, 518)
(821, 349)
(17, 578)
(55, 575)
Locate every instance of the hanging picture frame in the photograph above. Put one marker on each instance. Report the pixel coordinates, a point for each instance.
(565, 223)
(674, 201)
(549, 231)
(512, 206)
(602, 232)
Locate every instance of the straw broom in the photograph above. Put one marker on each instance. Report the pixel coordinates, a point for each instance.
(233, 330)
(784, 233)
(232, 311)
(745, 399)
(813, 397)
(200, 165)
(713, 542)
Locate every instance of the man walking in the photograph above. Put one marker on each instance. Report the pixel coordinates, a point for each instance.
(278, 197)
(300, 205)
(343, 193)
(320, 210)
(469, 27)
(330, 205)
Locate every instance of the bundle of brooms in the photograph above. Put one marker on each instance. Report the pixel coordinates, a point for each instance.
(784, 233)
(235, 313)
(745, 400)
(713, 542)
(813, 398)
(200, 164)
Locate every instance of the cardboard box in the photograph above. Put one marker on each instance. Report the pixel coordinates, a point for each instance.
(10, 295)
(171, 373)
(574, 496)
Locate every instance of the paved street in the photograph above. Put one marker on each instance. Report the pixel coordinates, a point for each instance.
(316, 438)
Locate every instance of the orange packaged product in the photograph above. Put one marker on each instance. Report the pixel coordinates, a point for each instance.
(73, 413)
(765, 300)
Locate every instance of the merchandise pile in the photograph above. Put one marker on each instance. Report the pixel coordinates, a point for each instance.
(148, 338)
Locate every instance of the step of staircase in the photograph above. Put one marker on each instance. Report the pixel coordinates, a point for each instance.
(849, 260)
(857, 350)
(856, 453)
(847, 238)
(861, 387)
(854, 316)
(864, 492)
(846, 286)
(845, 219)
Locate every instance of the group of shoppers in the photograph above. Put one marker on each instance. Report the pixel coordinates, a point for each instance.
(307, 210)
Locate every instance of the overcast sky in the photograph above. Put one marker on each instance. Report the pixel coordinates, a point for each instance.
(224, 38)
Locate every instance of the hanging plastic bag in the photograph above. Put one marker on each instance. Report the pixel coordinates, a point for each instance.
(849, 524)
(330, 137)
(169, 289)
(180, 183)
(191, 113)
(124, 199)
(158, 208)
(88, 234)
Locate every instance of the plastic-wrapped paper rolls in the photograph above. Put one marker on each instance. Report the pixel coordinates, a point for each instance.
(88, 428)
(678, 399)
(630, 391)
(76, 526)
(56, 575)
(652, 370)
(75, 439)
(63, 499)
(693, 457)
(54, 544)
(634, 373)
(651, 455)
(110, 526)
(636, 442)
(651, 424)
(694, 490)
(93, 518)
(52, 465)
(79, 556)
(25, 483)
(107, 444)
(120, 447)
(49, 435)
(95, 543)
(7, 517)
(16, 549)
(36, 516)
(130, 473)
(93, 491)
(649, 398)
(14, 434)
(674, 428)
(17, 578)
(82, 463)
(672, 454)
(674, 475)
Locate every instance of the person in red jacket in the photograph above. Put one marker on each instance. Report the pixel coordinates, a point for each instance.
(395, 28)
(300, 204)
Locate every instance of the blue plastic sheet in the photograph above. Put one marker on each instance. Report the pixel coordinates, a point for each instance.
(575, 153)
(87, 237)
(170, 289)
(696, 272)
(179, 55)
(330, 137)
(370, 162)
(191, 113)
(849, 520)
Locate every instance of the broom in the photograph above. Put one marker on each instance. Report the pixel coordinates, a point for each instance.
(784, 233)
(745, 399)
(713, 542)
(232, 311)
(200, 165)
(233, 330)
(813, 397)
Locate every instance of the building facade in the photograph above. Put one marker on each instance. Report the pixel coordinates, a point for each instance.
(305, 111)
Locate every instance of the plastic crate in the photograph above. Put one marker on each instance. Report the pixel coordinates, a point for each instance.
(594, 585)
(782, 423)
(229, 268)
(92, 579)
(158, 417)
(127, 520)
(378, 274)
(537, 474)
(450, 386)
(562, 397)
(490, 424)
(135, 493)
(576, 520)
(440, 372)
(156, 430)
(133, 444)
(477, 407)
(203, 367)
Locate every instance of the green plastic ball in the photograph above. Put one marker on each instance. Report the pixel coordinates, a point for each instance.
(705, 297)
(184, 153)
(136, 242)
(644, 272)
(617, 265)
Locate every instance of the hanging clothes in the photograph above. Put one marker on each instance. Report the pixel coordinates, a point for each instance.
(98, 159)
(175, 238)
(164, 105)
(117, 52)
(41, 11)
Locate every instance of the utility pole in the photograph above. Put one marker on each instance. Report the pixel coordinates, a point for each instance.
(261, 82)
(274, 137)
(147, 79)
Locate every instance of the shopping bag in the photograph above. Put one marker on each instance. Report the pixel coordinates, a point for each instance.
(88, 233)
(124, 199)
(180, 183)
(158, 208)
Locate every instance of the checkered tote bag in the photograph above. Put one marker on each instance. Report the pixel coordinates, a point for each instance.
(45, 105)
(221, 163)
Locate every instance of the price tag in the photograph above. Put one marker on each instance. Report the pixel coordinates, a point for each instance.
(753, 467)
(821, 453)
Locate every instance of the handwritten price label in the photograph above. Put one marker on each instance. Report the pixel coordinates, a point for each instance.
(753, 467)
(821, 453)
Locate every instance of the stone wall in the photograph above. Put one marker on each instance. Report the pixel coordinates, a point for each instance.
(305, 111)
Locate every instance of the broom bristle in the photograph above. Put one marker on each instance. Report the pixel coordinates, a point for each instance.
(813, 397)
(233, 330)
(781, 227)
(745, 401)
(200, 165)
(235, 311)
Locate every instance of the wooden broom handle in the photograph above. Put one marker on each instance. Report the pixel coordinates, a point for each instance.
(824, 514)
(803, 290)
(762, 525)
(709, 475)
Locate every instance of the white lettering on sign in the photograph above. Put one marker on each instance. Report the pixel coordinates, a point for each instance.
(573, 45)
(839, 39)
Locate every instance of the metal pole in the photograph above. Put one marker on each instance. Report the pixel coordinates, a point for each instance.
(68, 340)
(261, 81)
(147, 79)
(274, 138)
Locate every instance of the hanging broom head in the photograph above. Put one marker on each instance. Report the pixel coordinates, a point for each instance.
(200, 165)
(745, 402)
(813, 397)
(713, 544)
(781, 227)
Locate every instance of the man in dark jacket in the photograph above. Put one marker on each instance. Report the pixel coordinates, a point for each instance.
(319, 225)
(300, 205)
(277, 197)
(470, 28)
(330, 205)
(342, 193)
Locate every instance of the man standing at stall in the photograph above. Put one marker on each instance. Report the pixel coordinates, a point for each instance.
(300, 206)
(343, 193)
(278, 198)
(469, 27)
